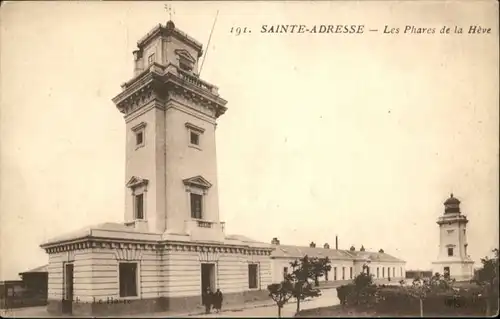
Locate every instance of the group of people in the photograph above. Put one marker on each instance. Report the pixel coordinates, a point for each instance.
(212, 299)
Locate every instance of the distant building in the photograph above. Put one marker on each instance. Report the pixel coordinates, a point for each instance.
(28, 292)
(36, 284)
(346, 264)
(414, 274)
(453, 259)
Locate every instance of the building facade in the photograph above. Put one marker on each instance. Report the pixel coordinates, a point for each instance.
(172, 244)
(345, 264)
(453, 260)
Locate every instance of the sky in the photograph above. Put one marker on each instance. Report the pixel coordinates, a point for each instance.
(358, 136)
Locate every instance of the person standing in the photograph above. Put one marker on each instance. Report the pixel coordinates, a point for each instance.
(218, 298)
(206, 299)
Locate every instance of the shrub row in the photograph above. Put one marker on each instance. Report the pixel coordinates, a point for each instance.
(397, 300)
(442, 303)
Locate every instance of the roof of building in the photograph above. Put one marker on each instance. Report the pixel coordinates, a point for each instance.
(374, 256)
(289, 251)
(93, 230)
(44, 268)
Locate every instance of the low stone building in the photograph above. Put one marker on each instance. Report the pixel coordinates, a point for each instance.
(346, 264)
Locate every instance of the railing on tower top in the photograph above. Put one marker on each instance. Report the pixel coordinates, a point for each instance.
(173, 69)
(186, 76)
(452, 217)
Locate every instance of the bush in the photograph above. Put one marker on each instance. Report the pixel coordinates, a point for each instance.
(344, 291)
(398, 300)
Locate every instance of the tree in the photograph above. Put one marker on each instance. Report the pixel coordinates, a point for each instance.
(420, 288)
(487, 278)
(364, 292)
(304, 271)
(281, 293)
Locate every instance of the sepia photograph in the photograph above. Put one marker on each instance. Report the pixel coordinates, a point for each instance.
(249, 158)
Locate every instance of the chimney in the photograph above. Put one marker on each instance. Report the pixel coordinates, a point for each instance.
(381, 251)
(336, 242)
(326, 246)
(362, 248)
(312, 244)
(275, 241)
(352, 248)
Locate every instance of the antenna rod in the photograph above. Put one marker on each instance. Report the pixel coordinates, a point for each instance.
(209, 38)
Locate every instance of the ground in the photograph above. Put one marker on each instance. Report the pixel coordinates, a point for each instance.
(257, 309)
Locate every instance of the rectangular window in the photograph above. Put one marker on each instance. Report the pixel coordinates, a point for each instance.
(285, 271)
(128, 279)
(450, 251)
(343, 273)
(394, 272)
(401, 271)
(196, 206)
(139, 206)
(186, 66)
(334, 273)
(350, 272)
(139, 138)
(326, 275)
(388, 272)
(378, 272)
(252, 276)
(383, 272)
(194, 138)
(151, 59)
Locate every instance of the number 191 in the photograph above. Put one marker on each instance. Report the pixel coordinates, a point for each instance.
(239, 30)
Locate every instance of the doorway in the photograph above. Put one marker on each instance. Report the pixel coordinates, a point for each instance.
(446, 272)
(67, 302)
(207, 277)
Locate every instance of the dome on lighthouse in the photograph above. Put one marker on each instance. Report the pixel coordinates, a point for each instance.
(452, 200)
(452, 205)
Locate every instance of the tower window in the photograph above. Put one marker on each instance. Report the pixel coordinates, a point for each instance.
(139, 132)
(450, 251)
(139, 206)
(196, 206)
(194, 138)
(151, 59)
(139, 138)
(185, 65)
(194, 135)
